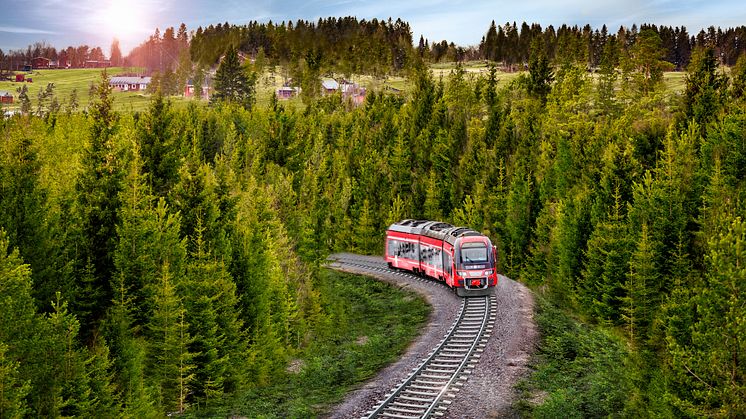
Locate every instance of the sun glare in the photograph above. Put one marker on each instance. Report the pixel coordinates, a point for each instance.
(121, 18)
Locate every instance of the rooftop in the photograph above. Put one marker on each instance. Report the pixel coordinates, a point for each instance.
(129, 80)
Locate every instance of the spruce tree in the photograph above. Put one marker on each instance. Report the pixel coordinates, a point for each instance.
(710, 360)
(232, 84)
(169, 359)
(157, 149)
(97, 188)
(705, 87)
(639, 302)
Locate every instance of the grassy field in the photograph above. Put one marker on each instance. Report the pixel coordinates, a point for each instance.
(79, 79)
(65, 81)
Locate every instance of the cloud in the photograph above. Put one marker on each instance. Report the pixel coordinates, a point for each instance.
(16, 29)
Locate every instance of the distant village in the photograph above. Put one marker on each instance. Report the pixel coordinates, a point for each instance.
(141, 83)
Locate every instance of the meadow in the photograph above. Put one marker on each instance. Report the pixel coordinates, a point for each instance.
(81, 80)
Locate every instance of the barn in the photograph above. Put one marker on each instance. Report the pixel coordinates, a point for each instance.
(6, 97)
(286, 92)
(189, 89)
(40, 63)
(330, 86)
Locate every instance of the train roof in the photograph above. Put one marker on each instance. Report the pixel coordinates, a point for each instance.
(434, 229)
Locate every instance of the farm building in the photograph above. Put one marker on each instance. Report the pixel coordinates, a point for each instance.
(189, 89)
(128, 84)
(40, 62)
(5, 97)
(97, 64)
(286, 92)
(330, 86)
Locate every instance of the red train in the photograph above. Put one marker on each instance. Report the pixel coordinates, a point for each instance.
(463, 258)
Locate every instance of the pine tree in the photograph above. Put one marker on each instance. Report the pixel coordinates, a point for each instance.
(710, 360)
(169, 358)
(540, 72)
(639, 303)
(97, 189)
(705, 88)
(231, 82)
(156, 146)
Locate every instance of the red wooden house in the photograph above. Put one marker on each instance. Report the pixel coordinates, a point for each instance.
(40, 62)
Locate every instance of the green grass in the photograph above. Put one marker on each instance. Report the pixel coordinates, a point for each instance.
(675, 81)
(80, 79)
(369, 324)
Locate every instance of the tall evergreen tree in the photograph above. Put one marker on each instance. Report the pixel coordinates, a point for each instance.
(97, 188)
(232, 84)
(705, 87)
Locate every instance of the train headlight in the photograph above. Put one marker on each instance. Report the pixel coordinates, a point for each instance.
(488, 272)
(462, 273)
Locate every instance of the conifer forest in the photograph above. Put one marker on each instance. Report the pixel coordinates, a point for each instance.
(171, 260)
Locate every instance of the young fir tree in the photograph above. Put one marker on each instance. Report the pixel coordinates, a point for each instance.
(639, 302)
(170, 363)
(738, 74)
(705, 87)
(212, 312)
(366, 230)
(97, 188)
(607, 258)
(709, 361)
(18, 327)
(157, 148)
(232, 84)
(13, 388)
(540, 75)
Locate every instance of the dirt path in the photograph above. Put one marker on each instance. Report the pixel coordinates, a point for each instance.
(489, 390)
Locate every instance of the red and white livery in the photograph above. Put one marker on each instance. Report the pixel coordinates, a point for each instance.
(463, 258)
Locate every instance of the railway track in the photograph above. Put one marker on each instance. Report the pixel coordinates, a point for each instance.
(431, 386)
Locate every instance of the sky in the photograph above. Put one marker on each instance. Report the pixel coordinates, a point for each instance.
(97, 22)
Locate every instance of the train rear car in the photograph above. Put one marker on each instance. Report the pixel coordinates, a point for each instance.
(463, 258)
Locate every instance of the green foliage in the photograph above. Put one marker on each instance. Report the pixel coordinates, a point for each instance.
(705, 87)
(540, 73)
(365, 325)
(232, 84)
(97, 190)
(581, 370)
(707, 359)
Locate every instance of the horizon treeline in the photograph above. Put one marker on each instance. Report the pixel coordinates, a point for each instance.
(511, 44)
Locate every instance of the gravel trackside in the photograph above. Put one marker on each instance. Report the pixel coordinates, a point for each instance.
(489, 390)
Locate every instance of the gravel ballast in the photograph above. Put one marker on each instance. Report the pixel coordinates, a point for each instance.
(489, 390)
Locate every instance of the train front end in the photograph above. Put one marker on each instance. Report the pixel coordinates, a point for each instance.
(475, 271)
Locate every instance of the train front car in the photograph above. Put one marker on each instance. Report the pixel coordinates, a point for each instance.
(462, 258)
(475, 270)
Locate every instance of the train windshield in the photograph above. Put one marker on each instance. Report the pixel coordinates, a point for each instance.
(473, 253)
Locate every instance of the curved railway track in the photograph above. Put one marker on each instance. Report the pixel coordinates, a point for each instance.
(430, 388)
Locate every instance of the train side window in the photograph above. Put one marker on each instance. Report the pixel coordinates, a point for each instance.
(392, 248)
(447, 262)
